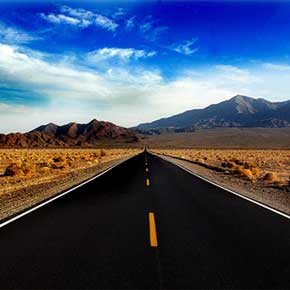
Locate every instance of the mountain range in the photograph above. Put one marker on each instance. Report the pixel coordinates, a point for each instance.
(239, 111)
(71, 134)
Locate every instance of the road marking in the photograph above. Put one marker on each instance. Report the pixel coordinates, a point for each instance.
(152, 230)
(64, 193)
(147, 181)
(224, 188)
(147, 169)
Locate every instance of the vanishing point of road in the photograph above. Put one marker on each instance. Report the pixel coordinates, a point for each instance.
(146, 224)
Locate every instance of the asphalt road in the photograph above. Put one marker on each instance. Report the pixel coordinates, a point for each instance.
(99, 236)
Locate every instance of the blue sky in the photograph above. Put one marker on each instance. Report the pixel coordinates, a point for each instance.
(134, 61)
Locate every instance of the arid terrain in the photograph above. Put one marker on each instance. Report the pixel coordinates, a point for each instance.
(260, 174)
(245, 138)
(28, 176)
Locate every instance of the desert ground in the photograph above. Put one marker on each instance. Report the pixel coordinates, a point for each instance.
(230, 138)
(28, 176)
(271, 166)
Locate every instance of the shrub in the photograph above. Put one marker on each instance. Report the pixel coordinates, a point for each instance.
(45, 170)
(19, 168)
(13, 170)
(58, 159)
(241, 171)
(228, 164)
(60, 165)
(271, 177)
(29, 168)
(256, 171)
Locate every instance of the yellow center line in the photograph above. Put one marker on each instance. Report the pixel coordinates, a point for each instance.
(152, 229)
(147, 181)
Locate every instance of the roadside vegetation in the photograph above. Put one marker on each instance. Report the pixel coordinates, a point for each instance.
(25, 167)
(271, 167)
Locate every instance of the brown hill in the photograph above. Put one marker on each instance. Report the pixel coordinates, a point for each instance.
(72, 134)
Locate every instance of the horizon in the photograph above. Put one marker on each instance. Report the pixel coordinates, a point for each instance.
(108, 121)
(137, 61)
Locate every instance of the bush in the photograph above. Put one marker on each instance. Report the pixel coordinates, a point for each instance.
(241, 171)
(271, 177)
(13, 170)
(19, 168)
(58, 159)
(45, 170)
(29, 168)
(60, 165)
(256, 171)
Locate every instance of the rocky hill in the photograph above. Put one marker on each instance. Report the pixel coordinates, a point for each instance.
(69, 135)
(239, 111)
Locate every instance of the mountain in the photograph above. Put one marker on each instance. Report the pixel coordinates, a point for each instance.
(72, 134)
(239, 111)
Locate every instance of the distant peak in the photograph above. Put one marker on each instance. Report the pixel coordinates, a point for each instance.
(94, 121)
(50, 125)
(240, 97)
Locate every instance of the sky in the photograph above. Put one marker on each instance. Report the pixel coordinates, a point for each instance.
(130, 62)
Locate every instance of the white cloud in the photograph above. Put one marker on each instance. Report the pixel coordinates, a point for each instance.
(78, 13)
(123, 94)
(150, 29)
(122, 53)
(60, 19)
(277, 67)
(233, 73)
(81, 18)
(13, 35)
(11, 109)
(186, 47)
(64, 81)
(47, 79)
(119, 13)
(130, 23)
(105, 22)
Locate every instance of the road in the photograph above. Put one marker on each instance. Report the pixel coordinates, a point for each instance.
(99, 236)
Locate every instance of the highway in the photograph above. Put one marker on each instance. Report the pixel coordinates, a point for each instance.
(147, 224)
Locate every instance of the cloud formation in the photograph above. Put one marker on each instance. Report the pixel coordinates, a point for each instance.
(61, 19)
(81, 18)
(130, 23)
(186, 47)
(150, 30)
(13, 35)
(123, 54)
(126, 95)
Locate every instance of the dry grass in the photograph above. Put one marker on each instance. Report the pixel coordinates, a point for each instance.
(21, 168)
(266, 166)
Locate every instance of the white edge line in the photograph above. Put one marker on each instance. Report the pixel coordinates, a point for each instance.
(64, 193)
(224, 188)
